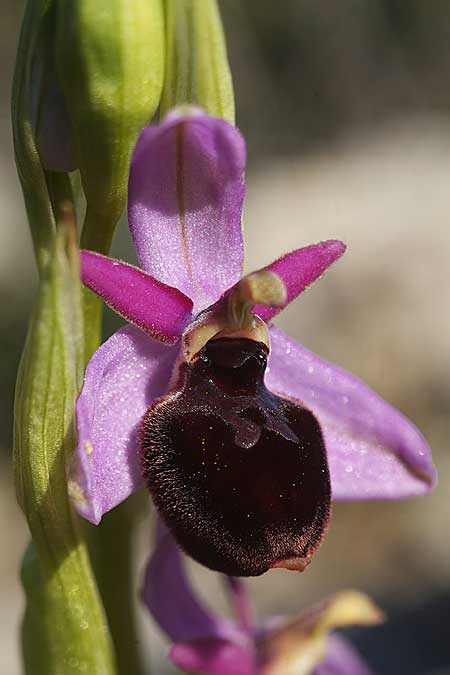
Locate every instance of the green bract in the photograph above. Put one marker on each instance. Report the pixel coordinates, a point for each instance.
(29, 166)
(64, 629)
(197, 69)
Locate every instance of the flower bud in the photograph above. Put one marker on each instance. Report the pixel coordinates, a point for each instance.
(51, 121)
(110, 55)
(197, 69)
(64, 629)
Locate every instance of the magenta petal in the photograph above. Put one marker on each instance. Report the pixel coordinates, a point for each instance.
(204, 643)
(300, 268)
(341, 659)
(171, 601)
(213, 657)
(122, 379)
(374, 452)
(240, 602)
(186, 191)
(158, 309)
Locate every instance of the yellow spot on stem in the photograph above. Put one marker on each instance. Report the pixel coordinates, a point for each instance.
(76, 492)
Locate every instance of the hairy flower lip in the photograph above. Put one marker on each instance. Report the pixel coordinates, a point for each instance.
(238, 473)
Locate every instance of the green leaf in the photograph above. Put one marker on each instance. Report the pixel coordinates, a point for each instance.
(65, 630)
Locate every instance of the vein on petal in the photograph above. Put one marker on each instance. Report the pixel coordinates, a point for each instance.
(181, 199)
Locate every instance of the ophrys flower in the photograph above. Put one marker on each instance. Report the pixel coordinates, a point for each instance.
(241, 459)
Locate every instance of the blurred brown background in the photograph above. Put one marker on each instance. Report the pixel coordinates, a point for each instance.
(346, 110)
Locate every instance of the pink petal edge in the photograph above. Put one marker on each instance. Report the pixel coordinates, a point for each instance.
(170, 599)
(160, 310)
(300, 268)
(203, 643)
(214, 657)
(374, 452)
(122, 379)
(341, 659)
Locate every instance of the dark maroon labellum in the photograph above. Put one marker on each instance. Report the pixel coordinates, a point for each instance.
(238, 473)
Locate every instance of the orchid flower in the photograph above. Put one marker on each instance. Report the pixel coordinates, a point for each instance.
(207, 644)
(242, 435)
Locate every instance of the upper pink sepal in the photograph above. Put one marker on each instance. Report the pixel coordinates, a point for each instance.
(300, 268)
(185, 196)
(149, 304)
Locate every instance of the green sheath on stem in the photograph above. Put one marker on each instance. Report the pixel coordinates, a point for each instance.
(64, 630)
(29, 166)
(197, 70)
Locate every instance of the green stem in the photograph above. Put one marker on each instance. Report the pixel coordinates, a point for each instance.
(112, 546)
(64, 625)
(60, 190)
(97, 235)
(111, 542)
(64, 629)
(98, 230)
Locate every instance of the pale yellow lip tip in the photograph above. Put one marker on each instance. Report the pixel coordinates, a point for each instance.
(76, 492)
(294, 563)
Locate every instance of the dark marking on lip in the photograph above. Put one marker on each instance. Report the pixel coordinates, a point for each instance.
(238, 473)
